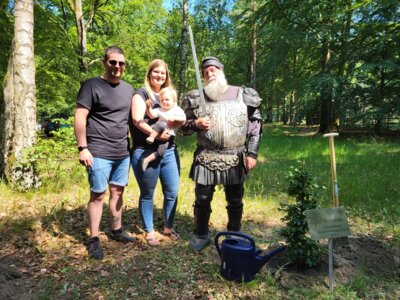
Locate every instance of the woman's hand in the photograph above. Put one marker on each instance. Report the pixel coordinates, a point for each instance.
(164, 136)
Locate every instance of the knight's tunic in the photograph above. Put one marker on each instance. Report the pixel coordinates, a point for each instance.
(235, 132)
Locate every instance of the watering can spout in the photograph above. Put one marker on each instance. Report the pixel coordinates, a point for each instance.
(262, 260)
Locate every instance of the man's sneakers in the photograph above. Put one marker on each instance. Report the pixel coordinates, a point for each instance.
(199, 242)
(94, 248)
(121, 236)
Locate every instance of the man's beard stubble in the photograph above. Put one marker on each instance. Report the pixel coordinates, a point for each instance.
(215, 88)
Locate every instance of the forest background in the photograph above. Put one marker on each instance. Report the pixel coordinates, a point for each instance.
(317, 62)
(317, 65)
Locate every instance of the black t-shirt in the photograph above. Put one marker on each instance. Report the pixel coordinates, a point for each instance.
(138, 137)
(109, 108)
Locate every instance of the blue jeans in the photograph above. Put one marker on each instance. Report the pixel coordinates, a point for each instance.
(105, 171)
(167, 169)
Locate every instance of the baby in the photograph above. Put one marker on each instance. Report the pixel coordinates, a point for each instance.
(168, 112)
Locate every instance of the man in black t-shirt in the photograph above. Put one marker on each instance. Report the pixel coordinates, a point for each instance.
(101, 130)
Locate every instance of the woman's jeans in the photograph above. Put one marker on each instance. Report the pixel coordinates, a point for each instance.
(167, 169)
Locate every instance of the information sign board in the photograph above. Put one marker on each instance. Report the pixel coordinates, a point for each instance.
(326, 223)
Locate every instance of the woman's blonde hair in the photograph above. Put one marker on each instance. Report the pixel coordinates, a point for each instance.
(169, 91)
(155, 64)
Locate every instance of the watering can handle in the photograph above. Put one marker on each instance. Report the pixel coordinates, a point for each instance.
(232, 233)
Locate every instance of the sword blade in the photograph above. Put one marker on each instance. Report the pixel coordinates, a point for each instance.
(198, 78)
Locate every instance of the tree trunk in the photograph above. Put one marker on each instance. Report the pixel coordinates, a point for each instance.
(326, 90)
(18, 119)
(381, 113)
(183, 48)
(81, 31)
(254, 60)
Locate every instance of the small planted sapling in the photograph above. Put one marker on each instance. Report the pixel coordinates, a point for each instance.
(301, 249)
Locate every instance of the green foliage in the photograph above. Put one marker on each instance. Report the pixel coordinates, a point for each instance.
(46, 162)
(362, 76)
(57, 68)
(54, 154)
(358, 82)
(301, 250)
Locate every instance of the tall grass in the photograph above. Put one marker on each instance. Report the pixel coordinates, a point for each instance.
(367, 170)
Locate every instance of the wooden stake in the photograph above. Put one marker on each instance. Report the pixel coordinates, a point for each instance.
(335, 188)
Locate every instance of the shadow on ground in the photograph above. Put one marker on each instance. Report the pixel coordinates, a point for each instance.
(46, 258)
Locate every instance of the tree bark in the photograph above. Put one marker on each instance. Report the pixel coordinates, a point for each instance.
(18, 118)
(81, 30)
(182, 70)
(254, 56)
(326, 91)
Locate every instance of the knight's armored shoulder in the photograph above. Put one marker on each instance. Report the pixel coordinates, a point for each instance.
(251, 97)
(191, 100)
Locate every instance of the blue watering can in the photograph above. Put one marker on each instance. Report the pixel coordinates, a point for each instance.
(240, 261)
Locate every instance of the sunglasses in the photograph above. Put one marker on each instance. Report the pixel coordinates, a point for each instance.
(114, 63)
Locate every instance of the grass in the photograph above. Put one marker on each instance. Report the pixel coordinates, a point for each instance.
(44, 231)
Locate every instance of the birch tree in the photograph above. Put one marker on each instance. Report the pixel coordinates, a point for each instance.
(18, 118)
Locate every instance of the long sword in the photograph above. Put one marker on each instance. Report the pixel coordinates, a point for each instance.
(203, 109)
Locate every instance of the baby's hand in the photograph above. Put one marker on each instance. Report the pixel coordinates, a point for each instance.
(148, 102)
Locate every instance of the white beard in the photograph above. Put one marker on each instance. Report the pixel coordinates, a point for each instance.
(216, 87)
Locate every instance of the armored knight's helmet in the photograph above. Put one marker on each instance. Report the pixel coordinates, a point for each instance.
(211, 61)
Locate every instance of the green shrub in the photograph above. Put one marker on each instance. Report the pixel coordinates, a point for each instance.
(301, 250)
(57, 156)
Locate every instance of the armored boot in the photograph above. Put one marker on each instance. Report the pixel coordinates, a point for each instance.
(200, 238)
(234, 217)
(234, 195)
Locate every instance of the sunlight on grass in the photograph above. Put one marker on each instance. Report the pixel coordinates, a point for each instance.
(50, 225)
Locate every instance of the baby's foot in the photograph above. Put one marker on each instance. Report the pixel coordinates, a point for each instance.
(145, 163)
(150, 140)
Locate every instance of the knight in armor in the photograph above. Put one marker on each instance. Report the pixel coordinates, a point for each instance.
(228, 135)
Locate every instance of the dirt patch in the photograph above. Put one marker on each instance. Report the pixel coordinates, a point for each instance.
(14, 284)
(362, 254)
(21, 276)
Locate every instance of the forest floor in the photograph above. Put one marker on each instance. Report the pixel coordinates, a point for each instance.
(43, 253)
(40, 270)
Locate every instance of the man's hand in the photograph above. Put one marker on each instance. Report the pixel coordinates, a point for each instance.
(86, 158)
(203, 123)
(250, 163)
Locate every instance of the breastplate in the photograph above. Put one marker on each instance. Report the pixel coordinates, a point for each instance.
(229, 124)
